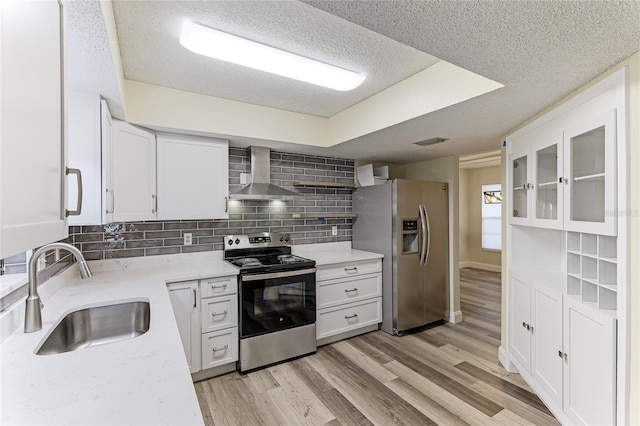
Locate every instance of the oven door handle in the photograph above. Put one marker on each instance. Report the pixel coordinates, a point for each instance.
(259, 277)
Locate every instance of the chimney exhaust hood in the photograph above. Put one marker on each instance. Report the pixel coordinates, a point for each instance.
(261, 187)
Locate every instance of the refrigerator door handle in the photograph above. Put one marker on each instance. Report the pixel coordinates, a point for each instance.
(424, 232)
(426, 215)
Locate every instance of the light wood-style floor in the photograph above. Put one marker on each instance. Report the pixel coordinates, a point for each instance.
(445, 374)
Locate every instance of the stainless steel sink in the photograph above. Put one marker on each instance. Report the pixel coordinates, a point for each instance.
(98, 325)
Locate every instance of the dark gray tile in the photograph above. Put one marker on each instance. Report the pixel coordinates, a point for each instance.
(315, 172)
(92, 255)
(255, 230)
(336, 161)
(180, 225)
(228, 231)
(293, 157)
(105, 245)
(315, 160)
(198, 232)
(144, 243)
(80, 238)
(144, 226)
(348, 238)
(302, 241)
(197, 248)
(269, 223)
(326, 240)
(162, 234)
(118, 254)
(344, 168)
(209, 240)
(92, 228)
(161, 251)
(325, 167)
(173, 242)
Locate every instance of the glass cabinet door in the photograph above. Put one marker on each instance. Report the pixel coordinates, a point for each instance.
(590, 170)
(520, 187)
(546, 182)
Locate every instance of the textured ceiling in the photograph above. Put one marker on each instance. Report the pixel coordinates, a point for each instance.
(149, 33)
(540, 50)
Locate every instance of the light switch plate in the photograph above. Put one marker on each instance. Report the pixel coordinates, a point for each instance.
(334, 230)
(188, 238)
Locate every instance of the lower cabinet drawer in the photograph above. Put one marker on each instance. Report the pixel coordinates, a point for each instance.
(218, 286)
(339, 319)
(345, 290)
(348, 269)
(219, 312)
(219, 347)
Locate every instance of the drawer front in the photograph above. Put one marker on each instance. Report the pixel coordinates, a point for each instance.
(349, 317)
(340, 270)
(219, 348)
(345, 290)
(218, 286)
(219, 312)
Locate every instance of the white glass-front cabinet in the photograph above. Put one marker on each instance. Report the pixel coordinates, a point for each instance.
(32, 164)
(566, 179)
(536, 162)
(589, 170)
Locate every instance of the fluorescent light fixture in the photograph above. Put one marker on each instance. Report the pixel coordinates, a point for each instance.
(226, 47)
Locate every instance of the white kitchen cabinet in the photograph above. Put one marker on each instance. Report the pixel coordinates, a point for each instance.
(33, 152)
(206, 312)
(564, 349)
(590, 173)
(536, 188)
(589, 356)
(185, 299)
(133, 173)
(89, 137)
(193, 178)
(349, 299)
(563, 176)
(520, 320)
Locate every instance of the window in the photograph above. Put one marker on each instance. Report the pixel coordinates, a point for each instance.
(492, 217)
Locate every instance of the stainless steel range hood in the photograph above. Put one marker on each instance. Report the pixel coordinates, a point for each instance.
(261, 187)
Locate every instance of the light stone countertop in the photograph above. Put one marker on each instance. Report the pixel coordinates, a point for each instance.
(144, 380)
(140, 381)
(333, 253)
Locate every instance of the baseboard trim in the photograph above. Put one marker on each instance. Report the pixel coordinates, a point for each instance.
(455, 317)
(478, 265)
(503, 357)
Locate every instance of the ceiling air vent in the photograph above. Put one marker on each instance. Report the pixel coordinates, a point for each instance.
(431, 141)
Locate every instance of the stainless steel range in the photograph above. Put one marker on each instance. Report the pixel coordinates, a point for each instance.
(277, 298)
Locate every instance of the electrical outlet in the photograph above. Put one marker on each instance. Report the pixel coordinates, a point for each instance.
(188, 239)
(245, 178)
(42, 263)
(334, 230)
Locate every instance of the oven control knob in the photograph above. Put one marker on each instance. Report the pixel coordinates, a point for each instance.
(230, 242)
(237, 241)
(286, 238)
(281, 239)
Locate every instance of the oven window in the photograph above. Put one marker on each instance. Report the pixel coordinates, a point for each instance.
(278, 298)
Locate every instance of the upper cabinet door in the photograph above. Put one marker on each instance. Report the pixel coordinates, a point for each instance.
(32, 163)
(193, 178)
(519, 168)
(590, 170)
(547, 198)
(133, 173)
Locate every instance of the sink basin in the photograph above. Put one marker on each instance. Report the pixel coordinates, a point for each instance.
(98, 325)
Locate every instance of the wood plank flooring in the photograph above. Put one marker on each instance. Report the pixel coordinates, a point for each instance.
(445, 374)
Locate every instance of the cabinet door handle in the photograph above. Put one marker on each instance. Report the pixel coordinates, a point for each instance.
(355, 289)
(528, 327)
(226, 204)
(347, 317)
(560, 354)
(224, 348)
(213, 287)
(532, 329)
(351, 269)
(214, 314)
(195, 298)
(78, 210)
(113, 200)
(154, 197)
(524, 186)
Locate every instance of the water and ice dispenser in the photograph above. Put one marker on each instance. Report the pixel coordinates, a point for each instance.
(409, 236)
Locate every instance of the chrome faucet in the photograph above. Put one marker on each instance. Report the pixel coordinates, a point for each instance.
(33, 311)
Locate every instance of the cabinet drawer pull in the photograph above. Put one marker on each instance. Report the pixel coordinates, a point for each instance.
(351, 269)
(213, 314)
(347, 317)
(224, 348)
(355, 289)
(213, 287)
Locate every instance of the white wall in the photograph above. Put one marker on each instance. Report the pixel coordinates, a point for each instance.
(445, 170)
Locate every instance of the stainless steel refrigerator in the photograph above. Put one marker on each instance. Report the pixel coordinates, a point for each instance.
(408, 222)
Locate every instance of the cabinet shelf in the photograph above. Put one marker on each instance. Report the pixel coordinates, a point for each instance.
(321, 216)
(324, 184)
